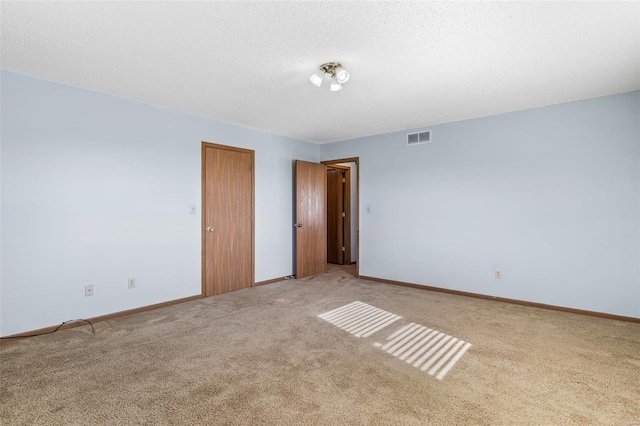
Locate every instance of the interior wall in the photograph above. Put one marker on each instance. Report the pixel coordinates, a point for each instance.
(549, 196)
(97, 189)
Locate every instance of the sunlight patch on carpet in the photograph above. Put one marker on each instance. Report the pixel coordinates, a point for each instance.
(430, 350)
(427, 349)
(359, 319)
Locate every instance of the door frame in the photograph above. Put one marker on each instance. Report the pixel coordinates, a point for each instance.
(204, 206)
(357, 206)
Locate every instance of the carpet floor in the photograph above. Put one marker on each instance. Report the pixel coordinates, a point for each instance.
(263, 356)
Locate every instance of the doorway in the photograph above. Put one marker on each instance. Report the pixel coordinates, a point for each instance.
(227, 218)
(338, 214)
(350, 207)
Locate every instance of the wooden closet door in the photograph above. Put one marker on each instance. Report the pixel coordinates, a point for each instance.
(227, 219)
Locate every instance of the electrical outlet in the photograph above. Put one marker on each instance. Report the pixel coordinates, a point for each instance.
(132, 283)
(192, 210)
(498, 274)
(88, 290)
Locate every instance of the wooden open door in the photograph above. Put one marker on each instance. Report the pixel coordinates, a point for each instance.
(227, 218)
(311, 219)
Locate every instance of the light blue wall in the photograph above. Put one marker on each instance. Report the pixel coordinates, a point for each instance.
(96, 189)
(550, 196)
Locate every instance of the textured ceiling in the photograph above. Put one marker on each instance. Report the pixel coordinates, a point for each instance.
(412, 64)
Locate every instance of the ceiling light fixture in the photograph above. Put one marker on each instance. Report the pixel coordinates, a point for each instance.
(338, 75)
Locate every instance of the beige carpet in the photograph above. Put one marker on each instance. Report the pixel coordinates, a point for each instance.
(262, 356)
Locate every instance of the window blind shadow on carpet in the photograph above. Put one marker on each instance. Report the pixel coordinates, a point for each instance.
(430, 350)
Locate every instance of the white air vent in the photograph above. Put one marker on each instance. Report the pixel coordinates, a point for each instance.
(419, 138)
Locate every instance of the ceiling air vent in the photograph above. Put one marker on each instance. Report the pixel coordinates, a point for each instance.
(419, 138)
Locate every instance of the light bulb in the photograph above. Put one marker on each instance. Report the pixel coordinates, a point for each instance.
(317, 78)
(342, 75)
(335, 86)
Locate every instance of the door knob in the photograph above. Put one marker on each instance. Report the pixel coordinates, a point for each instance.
(209, 228)
(297, 225)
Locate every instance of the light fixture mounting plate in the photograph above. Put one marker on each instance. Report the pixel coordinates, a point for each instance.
(330, 68)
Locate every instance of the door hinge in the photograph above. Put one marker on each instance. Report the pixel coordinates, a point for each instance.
(344, 180)
(342, 248)
(343, 215)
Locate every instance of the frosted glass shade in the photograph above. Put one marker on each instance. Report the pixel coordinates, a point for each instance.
(317, 77)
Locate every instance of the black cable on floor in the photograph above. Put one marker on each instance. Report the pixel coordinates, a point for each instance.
(93, 330)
